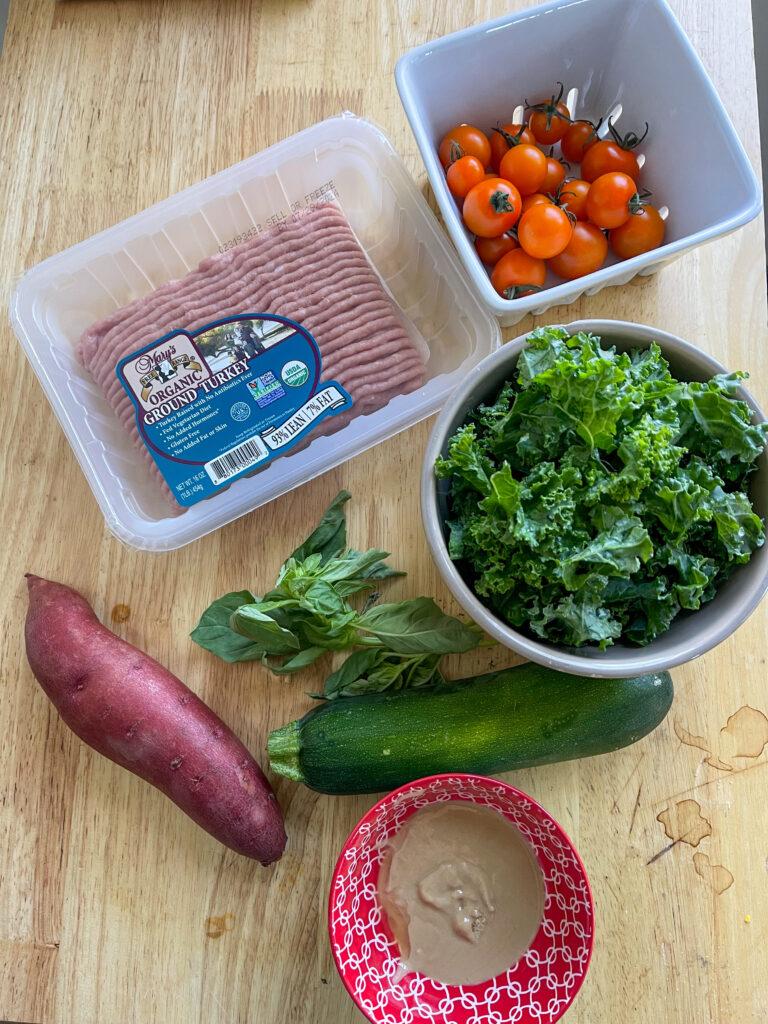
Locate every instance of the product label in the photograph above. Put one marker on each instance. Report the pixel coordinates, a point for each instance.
(214, 405)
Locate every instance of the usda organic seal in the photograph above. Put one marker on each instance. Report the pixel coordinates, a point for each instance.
(294, 373)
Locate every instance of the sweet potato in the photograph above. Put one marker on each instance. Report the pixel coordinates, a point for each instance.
(124, 704)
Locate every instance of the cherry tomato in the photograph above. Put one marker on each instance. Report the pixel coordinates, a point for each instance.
(549, 128)
(544, 230)
(572, 194)
(579, 137)
(533, 199)
(613, 154)
(609, 198)
(464, 140)
(520, 133)
(641, 232)
(518, 274)
(584, 254)
(606, 156)
(555, 174)
(462, 174)
(490, 250)
(549, 120)
(492, 207)
(525, 166)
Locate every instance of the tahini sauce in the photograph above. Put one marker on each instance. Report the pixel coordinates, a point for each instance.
(462, 891)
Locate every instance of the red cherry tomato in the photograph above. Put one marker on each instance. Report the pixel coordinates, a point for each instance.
(572, 194)
(640, 233)
(578, 138)
(462, 174)
(584, 254)
(525, 166)
(544, 230)
(490, 250)
(492, 207)
(518, 274)
(609, 199)
(519, 133)
(464, 140)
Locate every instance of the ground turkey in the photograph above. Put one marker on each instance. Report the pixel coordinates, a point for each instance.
(310, 269)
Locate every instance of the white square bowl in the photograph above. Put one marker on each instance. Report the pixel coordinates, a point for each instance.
(627, 54)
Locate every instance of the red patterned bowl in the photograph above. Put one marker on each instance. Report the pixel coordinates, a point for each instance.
(538, 989)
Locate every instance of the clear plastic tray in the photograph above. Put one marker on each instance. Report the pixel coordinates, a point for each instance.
(344, 159)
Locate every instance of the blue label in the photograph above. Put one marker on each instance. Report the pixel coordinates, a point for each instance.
(215, 405)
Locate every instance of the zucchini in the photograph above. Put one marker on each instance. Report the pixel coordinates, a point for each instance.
(515, 718)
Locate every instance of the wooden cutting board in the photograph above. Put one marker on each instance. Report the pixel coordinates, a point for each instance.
(113, 906)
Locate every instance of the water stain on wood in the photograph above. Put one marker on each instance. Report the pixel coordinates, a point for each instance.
(745, 734)
(216, 926)
(684, 823)
(121, 613)
(715, 875)
(700, 743)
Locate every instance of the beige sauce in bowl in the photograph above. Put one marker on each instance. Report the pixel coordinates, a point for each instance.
(462, 891)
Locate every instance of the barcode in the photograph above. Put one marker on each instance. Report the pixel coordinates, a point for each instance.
(236, 460)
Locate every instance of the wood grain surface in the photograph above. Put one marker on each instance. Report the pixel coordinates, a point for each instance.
(114, 907)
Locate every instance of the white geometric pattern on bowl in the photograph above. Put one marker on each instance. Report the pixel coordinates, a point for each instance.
(538, 988)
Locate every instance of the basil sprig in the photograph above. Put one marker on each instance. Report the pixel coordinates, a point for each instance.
(308, 613)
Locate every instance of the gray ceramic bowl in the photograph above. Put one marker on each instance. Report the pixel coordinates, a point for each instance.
(689, 635)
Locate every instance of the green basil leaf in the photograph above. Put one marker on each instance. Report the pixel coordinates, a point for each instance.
(335, 634)
(214, 633)
(353, 565)
(294, 576)
(329, 538)
(296, 662)
(345, 588)
(419, 627)
(322, 599)
(355, 667)
(254, 622)
(376, 670)
(423, 672)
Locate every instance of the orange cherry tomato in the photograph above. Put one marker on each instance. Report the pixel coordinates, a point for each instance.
(533, 199)
(578, 138)
(555, 174)
(606, 156)
(549, 128)
(518, 274)
(640, 233)
(609, 199)
(464, 140)
(490, 250)
(572, 194)
(520, 133)
(549, 120)
(544, 230)
(526, 167)
(584, 254)
(462, 174)
(492, 207)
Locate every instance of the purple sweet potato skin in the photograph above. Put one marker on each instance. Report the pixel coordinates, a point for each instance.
(129, 708)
